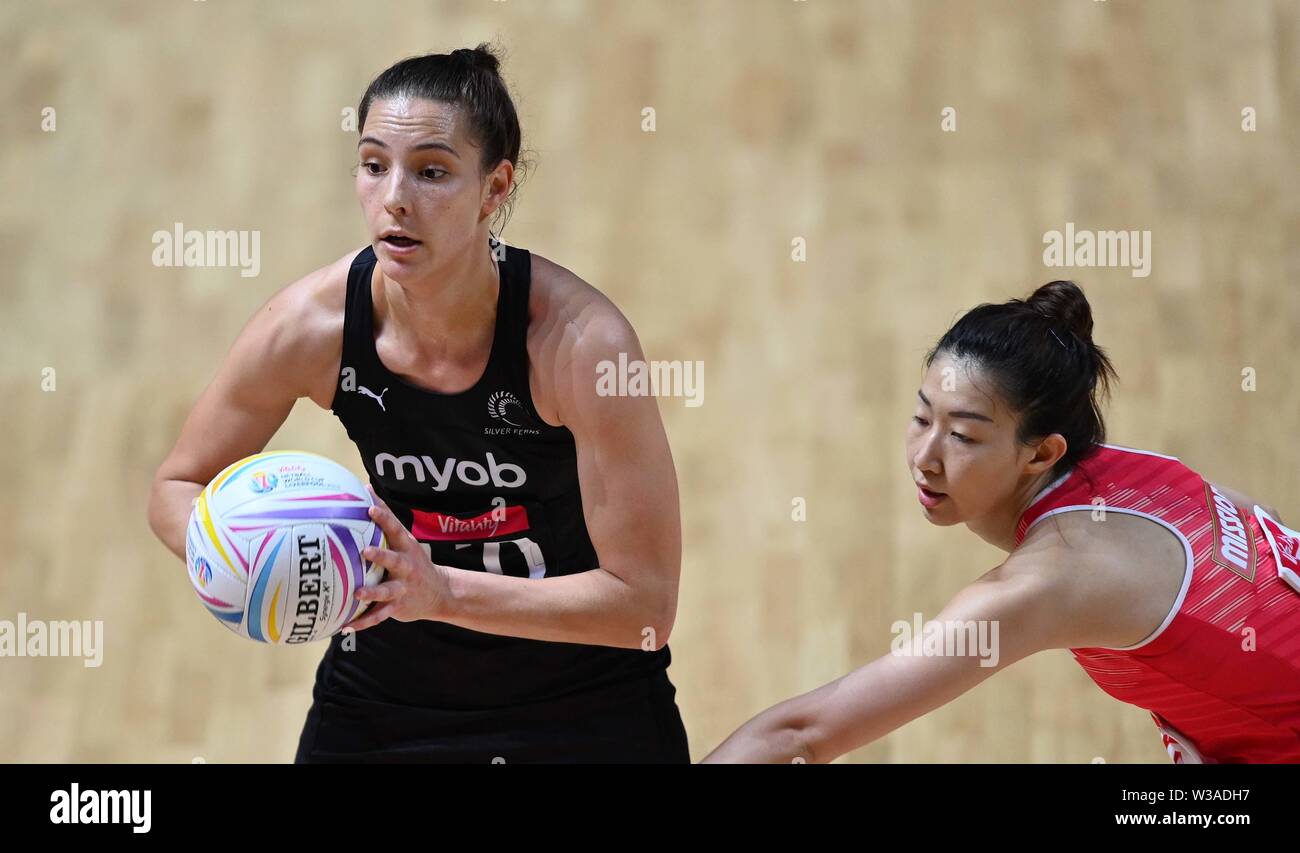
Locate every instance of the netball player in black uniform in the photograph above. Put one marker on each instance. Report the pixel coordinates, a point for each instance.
(534, 538)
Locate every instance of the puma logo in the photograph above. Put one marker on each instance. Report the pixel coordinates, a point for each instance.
(378, 398)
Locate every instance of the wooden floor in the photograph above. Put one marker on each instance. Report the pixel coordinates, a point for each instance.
(775, 120)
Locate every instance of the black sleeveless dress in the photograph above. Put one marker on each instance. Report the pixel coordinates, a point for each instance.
(488, 486)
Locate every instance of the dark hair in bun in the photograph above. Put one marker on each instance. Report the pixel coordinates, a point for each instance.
(471, 79)
(1040, 355)
(478, 57)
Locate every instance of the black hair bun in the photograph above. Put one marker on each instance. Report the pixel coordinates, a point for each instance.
(1064, 306)
(478, 57)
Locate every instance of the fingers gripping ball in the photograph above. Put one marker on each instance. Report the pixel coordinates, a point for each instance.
(274, 547)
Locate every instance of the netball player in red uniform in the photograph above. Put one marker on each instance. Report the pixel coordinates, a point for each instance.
(1175, 594)
(534, 538)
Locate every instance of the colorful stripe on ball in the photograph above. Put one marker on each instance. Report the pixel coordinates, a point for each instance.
(341, 566)
(274, 517)
(259, 594)
(205, 518)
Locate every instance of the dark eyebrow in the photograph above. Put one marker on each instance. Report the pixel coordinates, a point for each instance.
(976, 416)
(423, 146)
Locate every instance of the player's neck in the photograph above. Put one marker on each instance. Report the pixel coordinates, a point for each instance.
(449, 317)
(998, 528)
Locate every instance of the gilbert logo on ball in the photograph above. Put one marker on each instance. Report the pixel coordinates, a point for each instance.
(274, 547)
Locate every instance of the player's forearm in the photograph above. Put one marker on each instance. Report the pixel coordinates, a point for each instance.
(819, 726)
(170, 504)
(593, 607)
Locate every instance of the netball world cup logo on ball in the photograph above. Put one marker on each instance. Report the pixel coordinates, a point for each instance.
(261, 481)
(202, 571)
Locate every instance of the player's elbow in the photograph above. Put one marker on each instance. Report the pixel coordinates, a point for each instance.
(647, 608)
(659, 613)
(656, 627)
(807, 738)
(170, 501)
(154, 511)
(803, 747)
(792, 738)
(816, 728)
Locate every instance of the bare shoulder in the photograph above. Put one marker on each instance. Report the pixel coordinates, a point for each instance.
(1245, 501)
(572, 326)
(561, 304)
(304, 322)
(1112, 577)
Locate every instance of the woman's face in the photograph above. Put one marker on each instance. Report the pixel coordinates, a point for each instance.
(420, 187)
(961, 445)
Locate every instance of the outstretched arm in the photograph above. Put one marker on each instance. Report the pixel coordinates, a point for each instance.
(892, 690)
